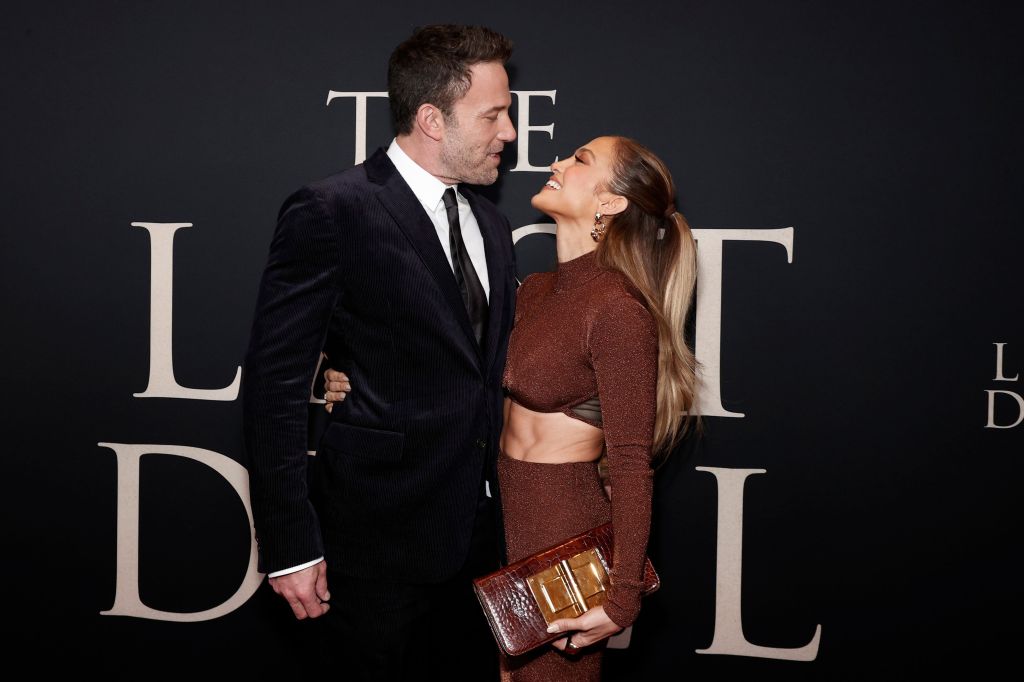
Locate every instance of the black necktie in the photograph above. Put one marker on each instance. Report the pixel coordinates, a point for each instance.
(465, 275)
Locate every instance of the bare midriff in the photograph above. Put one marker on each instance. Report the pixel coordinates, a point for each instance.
(548, 437)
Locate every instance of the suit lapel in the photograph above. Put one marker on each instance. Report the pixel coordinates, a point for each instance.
(493, 232)
(407, 211)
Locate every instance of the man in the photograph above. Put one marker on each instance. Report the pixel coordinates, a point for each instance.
(405, 279)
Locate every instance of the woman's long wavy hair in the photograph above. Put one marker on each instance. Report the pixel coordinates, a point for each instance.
(651, 243)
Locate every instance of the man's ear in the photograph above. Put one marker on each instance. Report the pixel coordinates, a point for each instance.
(611, 204)
(430, 121)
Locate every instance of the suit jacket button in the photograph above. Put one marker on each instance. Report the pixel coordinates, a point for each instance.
(481, 443)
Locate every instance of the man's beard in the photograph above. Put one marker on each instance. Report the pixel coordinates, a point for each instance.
(463, 163)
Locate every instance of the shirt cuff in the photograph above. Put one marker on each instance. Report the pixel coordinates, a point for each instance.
(293, 569)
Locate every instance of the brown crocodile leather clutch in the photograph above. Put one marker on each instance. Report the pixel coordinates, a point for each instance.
(563, 581)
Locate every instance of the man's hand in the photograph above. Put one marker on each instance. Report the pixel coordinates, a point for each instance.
(336, 387)
(305, 590)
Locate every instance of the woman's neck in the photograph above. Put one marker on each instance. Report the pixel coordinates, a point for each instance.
(572, 239)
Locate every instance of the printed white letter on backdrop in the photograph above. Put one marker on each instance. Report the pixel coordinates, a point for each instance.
(729, 638)
(525, 128)
(992, 409)
(360, 98)
(999, 365)
(709, 306)
(162, 383)
(126, 591)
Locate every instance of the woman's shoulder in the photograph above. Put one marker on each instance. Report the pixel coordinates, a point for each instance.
(619, 315)
(534, 282)
(616, 292)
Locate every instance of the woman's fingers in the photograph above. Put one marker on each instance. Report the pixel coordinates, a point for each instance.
(336, 387)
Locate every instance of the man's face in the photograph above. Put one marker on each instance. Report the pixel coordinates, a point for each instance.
(479, 127)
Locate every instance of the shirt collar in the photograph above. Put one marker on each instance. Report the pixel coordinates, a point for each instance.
(425, 186)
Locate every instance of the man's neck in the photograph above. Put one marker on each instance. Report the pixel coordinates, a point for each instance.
(424, 152)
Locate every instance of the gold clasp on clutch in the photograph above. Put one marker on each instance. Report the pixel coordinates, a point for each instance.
(571, 587)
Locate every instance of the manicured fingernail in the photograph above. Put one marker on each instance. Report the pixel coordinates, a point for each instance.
(552, 628)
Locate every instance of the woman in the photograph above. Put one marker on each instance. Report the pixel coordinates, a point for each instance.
(597, 363)
(597, 371)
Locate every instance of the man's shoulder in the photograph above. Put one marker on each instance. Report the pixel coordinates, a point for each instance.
(344, 188)
(358, 181)
(352, 179)
(334, 194)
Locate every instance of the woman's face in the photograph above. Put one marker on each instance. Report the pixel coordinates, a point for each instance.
(575, 187)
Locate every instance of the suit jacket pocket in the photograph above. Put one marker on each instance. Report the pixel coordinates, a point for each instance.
(359, 441)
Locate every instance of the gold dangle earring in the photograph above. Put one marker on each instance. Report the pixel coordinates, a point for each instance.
(599, 227)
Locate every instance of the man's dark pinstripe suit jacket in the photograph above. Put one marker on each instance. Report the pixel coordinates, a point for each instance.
(356, 269)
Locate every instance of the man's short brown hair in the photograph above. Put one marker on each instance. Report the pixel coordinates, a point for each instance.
(432, 66)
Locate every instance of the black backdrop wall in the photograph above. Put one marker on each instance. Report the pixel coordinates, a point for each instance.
(856, 498)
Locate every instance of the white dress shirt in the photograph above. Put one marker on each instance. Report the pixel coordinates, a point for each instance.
(429, 191)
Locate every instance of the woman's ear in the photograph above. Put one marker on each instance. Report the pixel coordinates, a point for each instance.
(612, 204)
(430, 121)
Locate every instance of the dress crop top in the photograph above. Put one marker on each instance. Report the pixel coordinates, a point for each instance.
(583, 339)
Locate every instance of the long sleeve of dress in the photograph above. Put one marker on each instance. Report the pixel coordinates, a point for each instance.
(624, 352)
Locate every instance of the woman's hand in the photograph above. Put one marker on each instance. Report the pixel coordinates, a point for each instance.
(336, 387)
(591, 627)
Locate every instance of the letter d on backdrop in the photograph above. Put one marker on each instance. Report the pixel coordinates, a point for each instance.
(126, 593)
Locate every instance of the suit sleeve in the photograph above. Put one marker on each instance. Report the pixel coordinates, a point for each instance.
(624, 353)
(297, 294)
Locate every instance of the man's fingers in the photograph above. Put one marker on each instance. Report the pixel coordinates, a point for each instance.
(338, 386)
(335, 375)
(321, 587)
(334, 396)
(304, 611)
(314, 608)
(308, 605)
(297, 609)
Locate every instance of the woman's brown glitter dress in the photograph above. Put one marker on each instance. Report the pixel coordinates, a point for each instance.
(582, 332)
